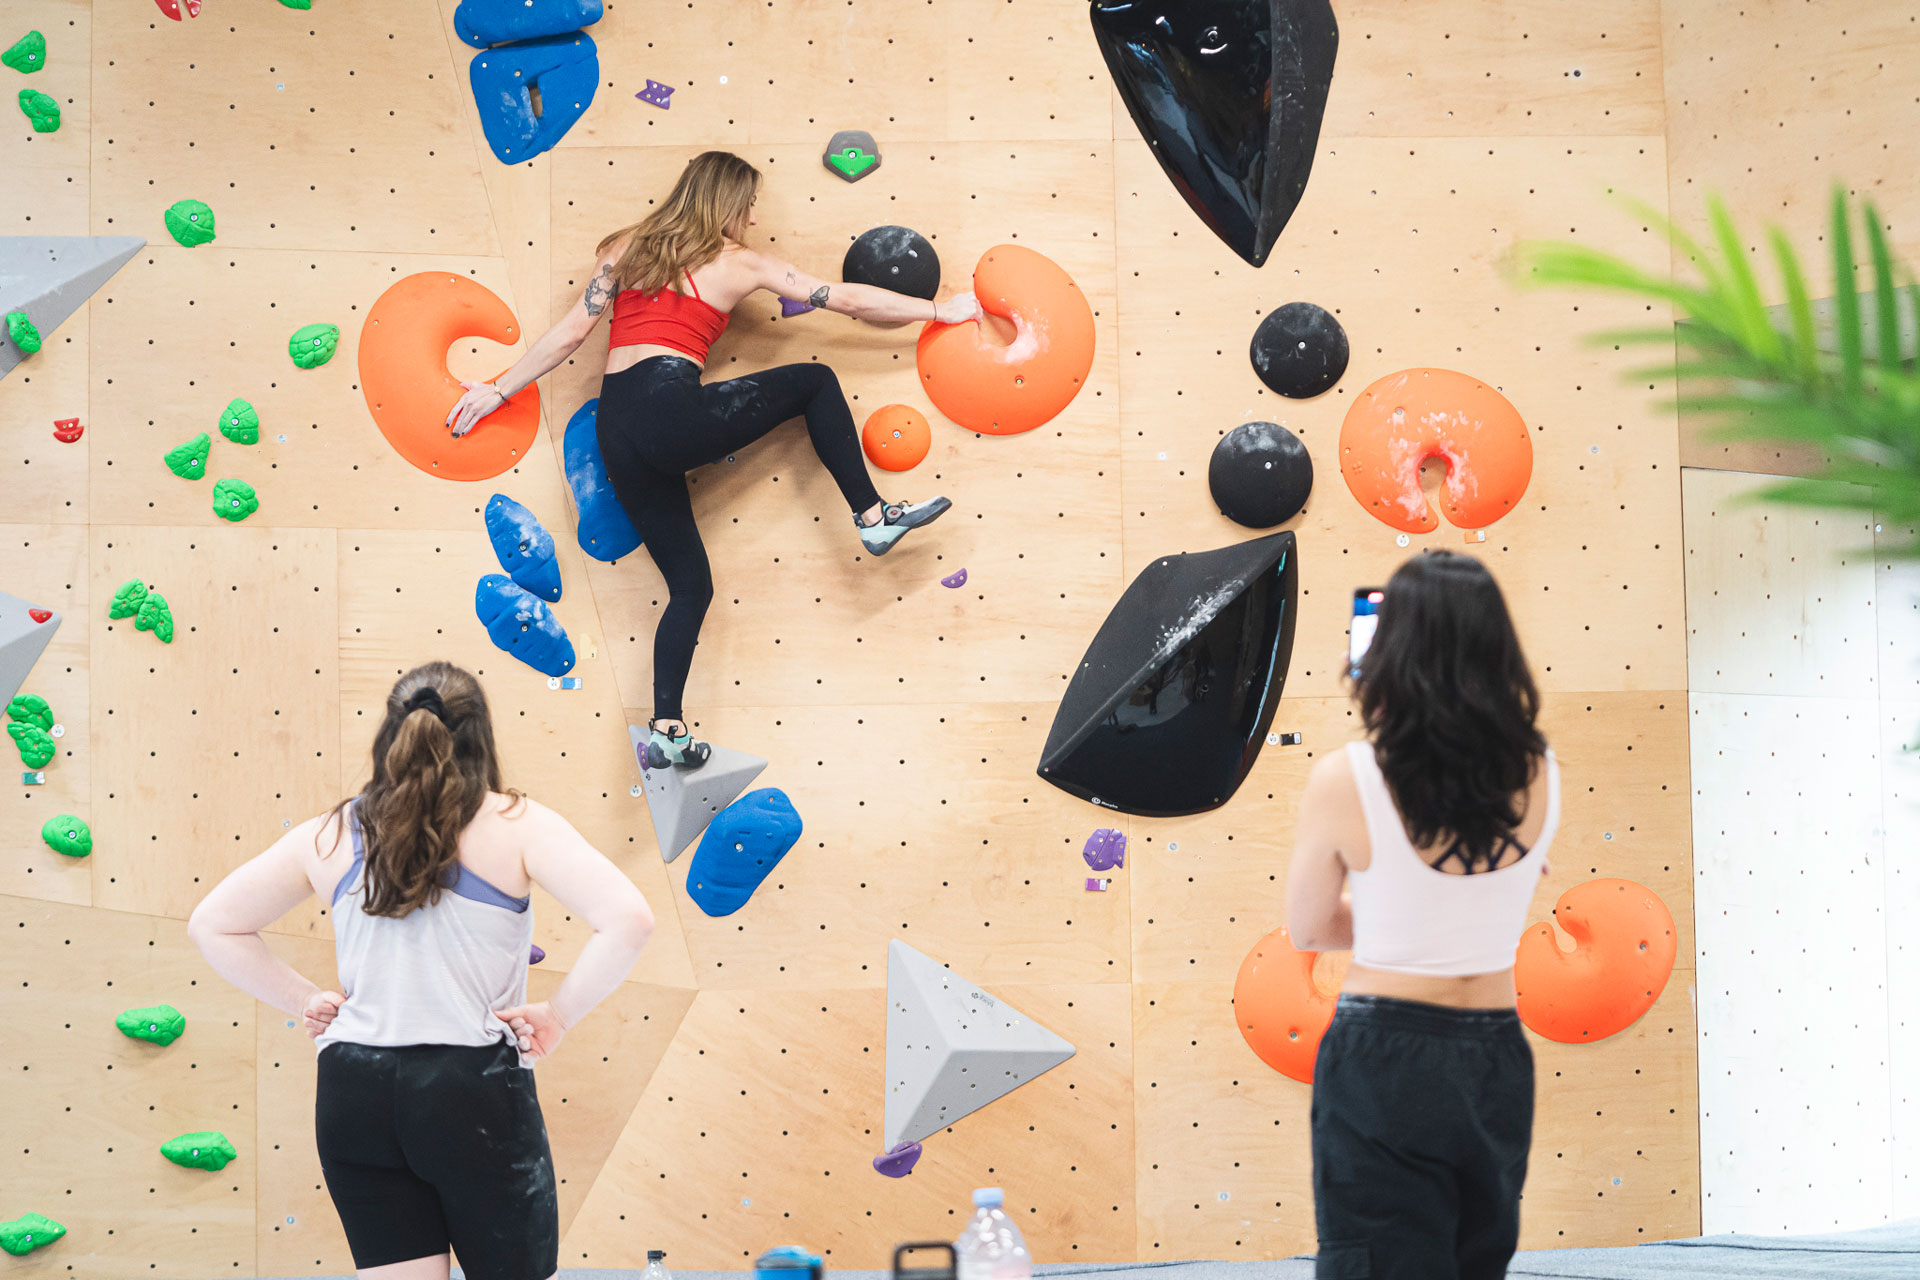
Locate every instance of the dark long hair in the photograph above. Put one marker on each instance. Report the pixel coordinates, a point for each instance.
(1450, 706)
(433, 767)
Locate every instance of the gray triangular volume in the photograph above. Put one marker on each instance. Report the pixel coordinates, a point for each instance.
(951, 1047)
(22, 640)
(48, 277)
(683, 801)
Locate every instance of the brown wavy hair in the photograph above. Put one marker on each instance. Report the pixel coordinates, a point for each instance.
(689, 228)
(430, 777)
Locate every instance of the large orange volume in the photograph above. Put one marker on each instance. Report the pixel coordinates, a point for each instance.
(1624, 944)
(1405, 418)
(1280, 1011)
(403, 374)
(1004, 390)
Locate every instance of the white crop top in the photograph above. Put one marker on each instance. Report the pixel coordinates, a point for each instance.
(435, 975)
(1410, 918)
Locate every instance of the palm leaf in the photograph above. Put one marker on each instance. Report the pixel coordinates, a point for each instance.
(1846, 319)
(1886, 301)
(1756, 328)
(1799, 310)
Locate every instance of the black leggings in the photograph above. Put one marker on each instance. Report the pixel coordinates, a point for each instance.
(1422, 1119)
(656, 423)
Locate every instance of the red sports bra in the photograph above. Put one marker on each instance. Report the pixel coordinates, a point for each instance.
(686, 322)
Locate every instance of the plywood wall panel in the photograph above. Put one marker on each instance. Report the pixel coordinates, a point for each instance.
(50, 170)
(766, 1111)
(264, 115)
(1900, 820)
(204, 750)
(103, 1103)
(46, 565)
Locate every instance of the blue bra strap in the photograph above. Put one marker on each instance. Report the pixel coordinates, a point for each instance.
(359, 854)
(462, 881)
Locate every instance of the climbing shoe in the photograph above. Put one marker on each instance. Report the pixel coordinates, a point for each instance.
(680, 751)
(895, 519)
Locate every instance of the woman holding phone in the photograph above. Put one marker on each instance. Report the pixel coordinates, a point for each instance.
(1419, 849)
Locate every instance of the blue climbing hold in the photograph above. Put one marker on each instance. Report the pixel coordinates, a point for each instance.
(741, 848)
(521, 623)
(605, 532)
(524, 547)
(564, 69)
(484, 22)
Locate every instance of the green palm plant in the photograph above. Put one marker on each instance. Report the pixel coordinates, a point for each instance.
(1850, 392)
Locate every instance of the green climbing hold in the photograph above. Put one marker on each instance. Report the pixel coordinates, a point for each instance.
(190, 222)
(852, 162)
(155, 616)
(234, 500)
(297, 4)
(240, 423)
(71, 836)
(160, 1024)
(30, 708)
(314, 344)
(207, 1150)
(40, 110)
(28, 55)
(35, 743)
(21, 330)
(127, 600)
(29, 1231)
(189, 460)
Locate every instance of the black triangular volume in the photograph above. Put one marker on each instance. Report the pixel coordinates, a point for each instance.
(1171, 704)
(1230, 97)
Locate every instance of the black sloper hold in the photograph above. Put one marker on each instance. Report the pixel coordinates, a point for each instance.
(896, 258)
(1299, 350)
(1260, 475)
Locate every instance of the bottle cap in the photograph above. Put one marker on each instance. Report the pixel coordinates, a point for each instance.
(655, 1255)
(988, 1198)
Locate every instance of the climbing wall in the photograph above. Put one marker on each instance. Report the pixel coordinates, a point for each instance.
(731, 1095)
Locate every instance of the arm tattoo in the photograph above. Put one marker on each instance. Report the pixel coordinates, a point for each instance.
(818, 298)
(792, 278)
(599, 289)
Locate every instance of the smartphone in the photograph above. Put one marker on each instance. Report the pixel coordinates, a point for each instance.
(1366, 618)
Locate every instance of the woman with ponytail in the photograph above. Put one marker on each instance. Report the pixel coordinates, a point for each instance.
(429, 1130)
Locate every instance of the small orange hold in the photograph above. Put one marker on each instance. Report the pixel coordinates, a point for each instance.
(1281, 1011)
(1624, 946)
(1404, 419)
(403, 374)
(896, 437)
(999, 389)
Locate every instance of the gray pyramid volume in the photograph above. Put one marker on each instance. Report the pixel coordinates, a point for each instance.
(951, 1047)
(48, 277)
(22, 640)
(683, 801)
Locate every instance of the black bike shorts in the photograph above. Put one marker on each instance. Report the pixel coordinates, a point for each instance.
(430, 1147)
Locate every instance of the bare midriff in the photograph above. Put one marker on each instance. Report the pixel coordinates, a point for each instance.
(620, 359)
(1474, 991)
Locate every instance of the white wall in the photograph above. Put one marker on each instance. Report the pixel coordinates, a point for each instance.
(1804, 671)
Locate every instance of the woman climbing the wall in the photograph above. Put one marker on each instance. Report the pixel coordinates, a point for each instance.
(672, 279)
(429, 1131)
(1420, 849)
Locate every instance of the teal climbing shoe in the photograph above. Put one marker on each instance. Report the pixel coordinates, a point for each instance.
(895, 519)
(678, 751)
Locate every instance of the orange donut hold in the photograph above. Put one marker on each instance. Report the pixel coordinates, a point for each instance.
(1407, 417)
(1624, 947)
(1281, 1012)
(896, 437)
(1004, 390)
(403, 374)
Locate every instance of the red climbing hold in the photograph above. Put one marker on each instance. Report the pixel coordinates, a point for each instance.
(172, 8)
(1281, 1010)
(40, 615)
(67, 430)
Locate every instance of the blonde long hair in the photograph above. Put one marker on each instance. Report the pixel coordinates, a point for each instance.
(434, 764)
(689, 228)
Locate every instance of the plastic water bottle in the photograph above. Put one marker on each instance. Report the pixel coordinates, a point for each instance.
(991, 1248)
(656, 1267)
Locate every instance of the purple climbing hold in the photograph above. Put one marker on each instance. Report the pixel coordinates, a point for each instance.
(1106, 848)
(789, 308)
(657, 95)
(536, 955)
(955, 579)
(899, 1162)
(1097, 884)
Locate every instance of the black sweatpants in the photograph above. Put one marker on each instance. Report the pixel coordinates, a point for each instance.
(656, 423)
(431, 1146)
(1422, 1118)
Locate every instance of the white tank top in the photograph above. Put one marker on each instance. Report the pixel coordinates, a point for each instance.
(1410, 918)
(434, 976)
